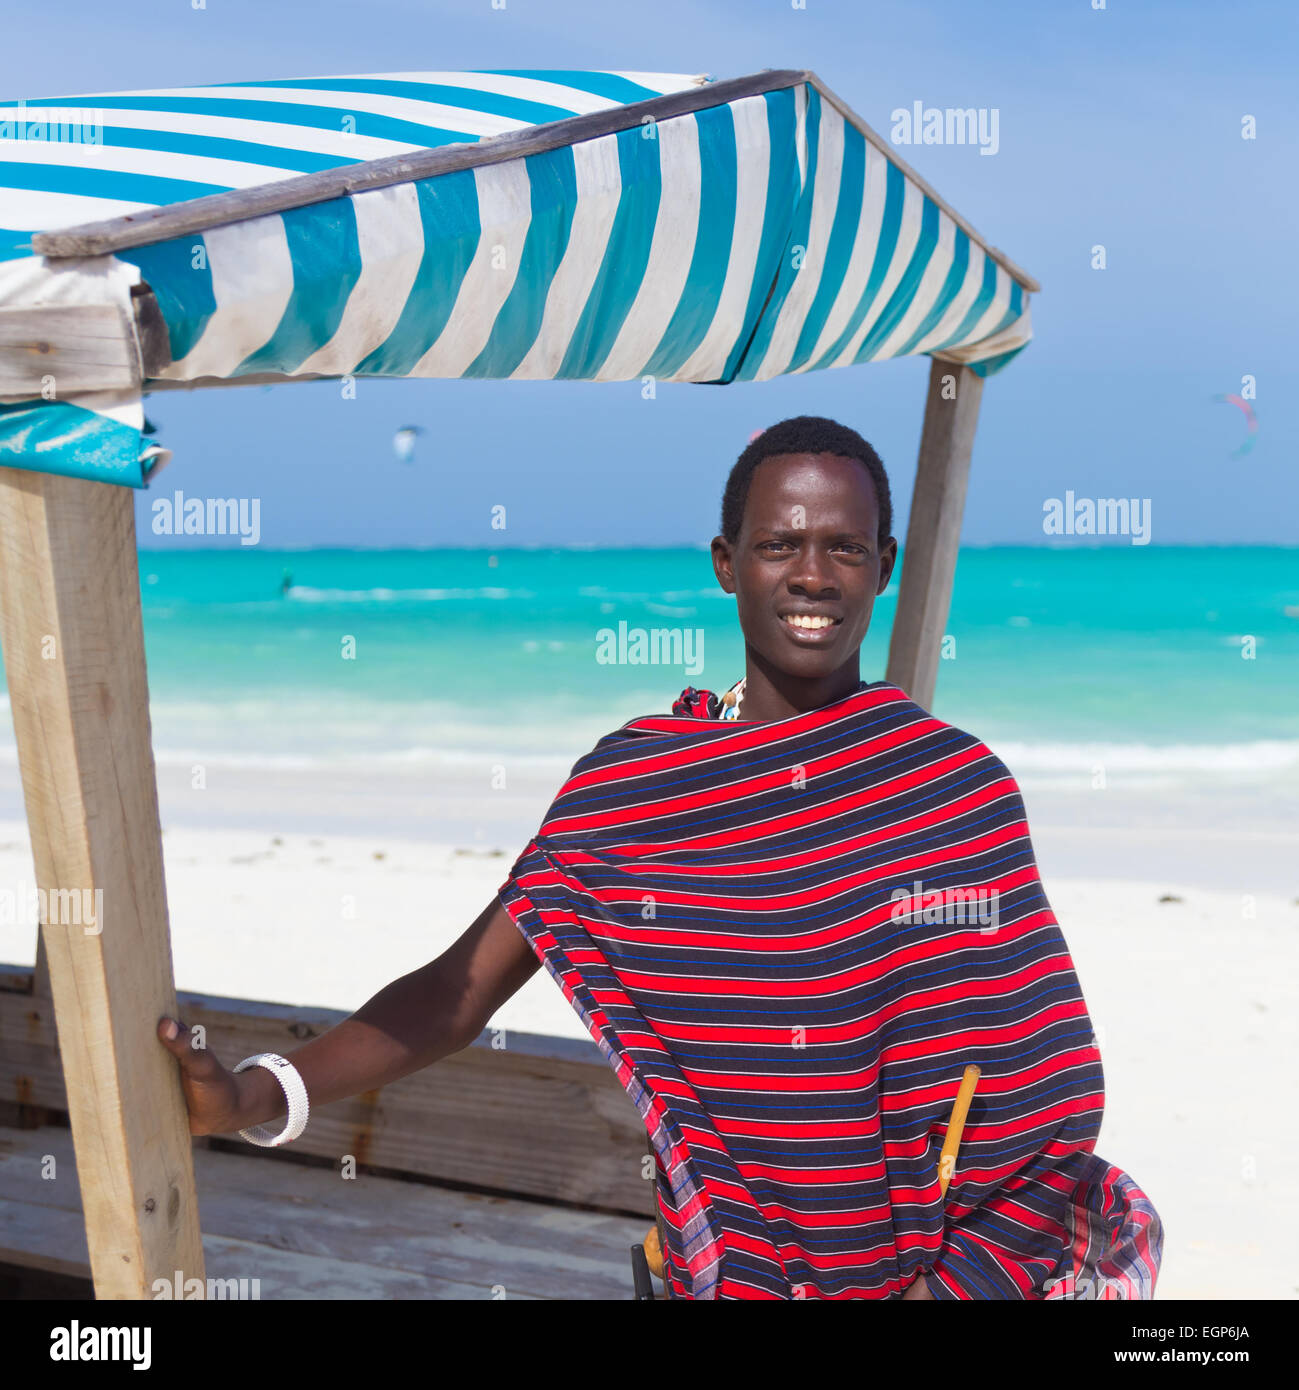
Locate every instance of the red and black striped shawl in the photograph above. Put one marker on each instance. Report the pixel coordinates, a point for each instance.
(789, 939)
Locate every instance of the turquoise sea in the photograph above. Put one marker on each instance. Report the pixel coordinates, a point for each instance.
(1179, 663)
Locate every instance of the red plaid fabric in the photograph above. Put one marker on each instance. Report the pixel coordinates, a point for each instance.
(1115, 1237)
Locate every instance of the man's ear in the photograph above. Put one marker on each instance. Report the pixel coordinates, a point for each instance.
(723, 564)
(888, 558)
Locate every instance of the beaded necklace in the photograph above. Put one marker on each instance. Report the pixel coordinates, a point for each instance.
(731, 700)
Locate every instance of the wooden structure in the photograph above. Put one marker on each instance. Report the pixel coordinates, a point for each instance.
(70, 620)
(563, 1137)
(74, 654)
(934, 529)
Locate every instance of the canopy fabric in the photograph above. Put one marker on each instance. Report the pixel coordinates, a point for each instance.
(756, 236)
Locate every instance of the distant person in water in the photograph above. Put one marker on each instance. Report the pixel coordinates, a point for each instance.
(791, 915)
(286, 583)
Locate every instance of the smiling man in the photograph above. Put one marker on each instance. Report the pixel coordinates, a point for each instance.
(806, 548)
(744, 901)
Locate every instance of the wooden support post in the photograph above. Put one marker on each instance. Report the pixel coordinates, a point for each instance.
(40, 1007)
(41, 970)
(934, 530)
(74, 656)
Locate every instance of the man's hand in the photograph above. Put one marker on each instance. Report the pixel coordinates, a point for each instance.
(212, 1094)
(918, 1290)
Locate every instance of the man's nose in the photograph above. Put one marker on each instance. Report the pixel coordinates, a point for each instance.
(813, 574)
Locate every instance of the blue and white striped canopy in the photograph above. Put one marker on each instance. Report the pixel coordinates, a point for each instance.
(716, 234)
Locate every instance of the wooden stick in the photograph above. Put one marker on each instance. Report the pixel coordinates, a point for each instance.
(934, 531)
(74, 655)
(654, 1252)
(955, 1126)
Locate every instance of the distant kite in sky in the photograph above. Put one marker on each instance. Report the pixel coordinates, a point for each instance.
(1251, 423)
(403, 442)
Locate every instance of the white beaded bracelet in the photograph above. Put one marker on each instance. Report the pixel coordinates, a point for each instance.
(295, 1092)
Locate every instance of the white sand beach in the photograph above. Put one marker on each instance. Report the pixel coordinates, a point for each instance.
(1193, 1000)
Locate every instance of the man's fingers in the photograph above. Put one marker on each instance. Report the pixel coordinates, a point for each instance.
(198, 1062)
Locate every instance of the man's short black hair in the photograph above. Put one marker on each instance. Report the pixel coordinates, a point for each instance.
(803, 434)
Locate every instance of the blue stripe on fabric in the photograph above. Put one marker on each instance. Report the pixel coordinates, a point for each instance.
(552, 181)
(1013, 310)
(990, 366)
(721, 885)
(800, 1004)
(611, 749)
(756, 352)
(878, 939)
(951, 287)
(407, 132)
(178, 273)
(326, 259)
(15, 243)
(987, 291)
(973, 1266)
(626, 256)
(914, 1077)
(895, 189)
(782, 198)
(904, 291)
(449, 214)
(154, 190)
(65, 438)
(679, 783)
(443, 94)
(843, 235)
(681, 1012)
(219, 147)
(714, 239)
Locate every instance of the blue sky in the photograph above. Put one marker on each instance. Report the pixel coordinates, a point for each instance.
(1119, 126)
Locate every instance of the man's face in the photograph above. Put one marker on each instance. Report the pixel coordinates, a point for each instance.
(807, 564)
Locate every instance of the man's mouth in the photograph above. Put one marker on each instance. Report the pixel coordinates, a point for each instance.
(810, 622)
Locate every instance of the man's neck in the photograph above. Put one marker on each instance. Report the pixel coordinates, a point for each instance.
(770, 694)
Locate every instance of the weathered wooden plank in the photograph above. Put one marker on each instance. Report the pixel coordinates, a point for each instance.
(152, 338)
(541, 1116)
(308, 1231)
(76, 347)
(217, 209)
(17, 979)
(30, 1114)
(934, 529)
(55, 1241)
(74, 657)
(211, 383)
(41, 970)
(37, 1237)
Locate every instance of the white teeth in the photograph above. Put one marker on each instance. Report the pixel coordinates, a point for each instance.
(801, 620)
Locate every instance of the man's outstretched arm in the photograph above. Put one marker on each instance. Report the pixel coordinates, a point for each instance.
(414, 1021)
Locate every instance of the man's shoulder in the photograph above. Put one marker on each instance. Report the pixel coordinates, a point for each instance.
(954, 735)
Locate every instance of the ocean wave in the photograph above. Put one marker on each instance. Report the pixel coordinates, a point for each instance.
(304, 593)
(477, 747)
(646, 596)
(1259, 756)
(397, 759)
